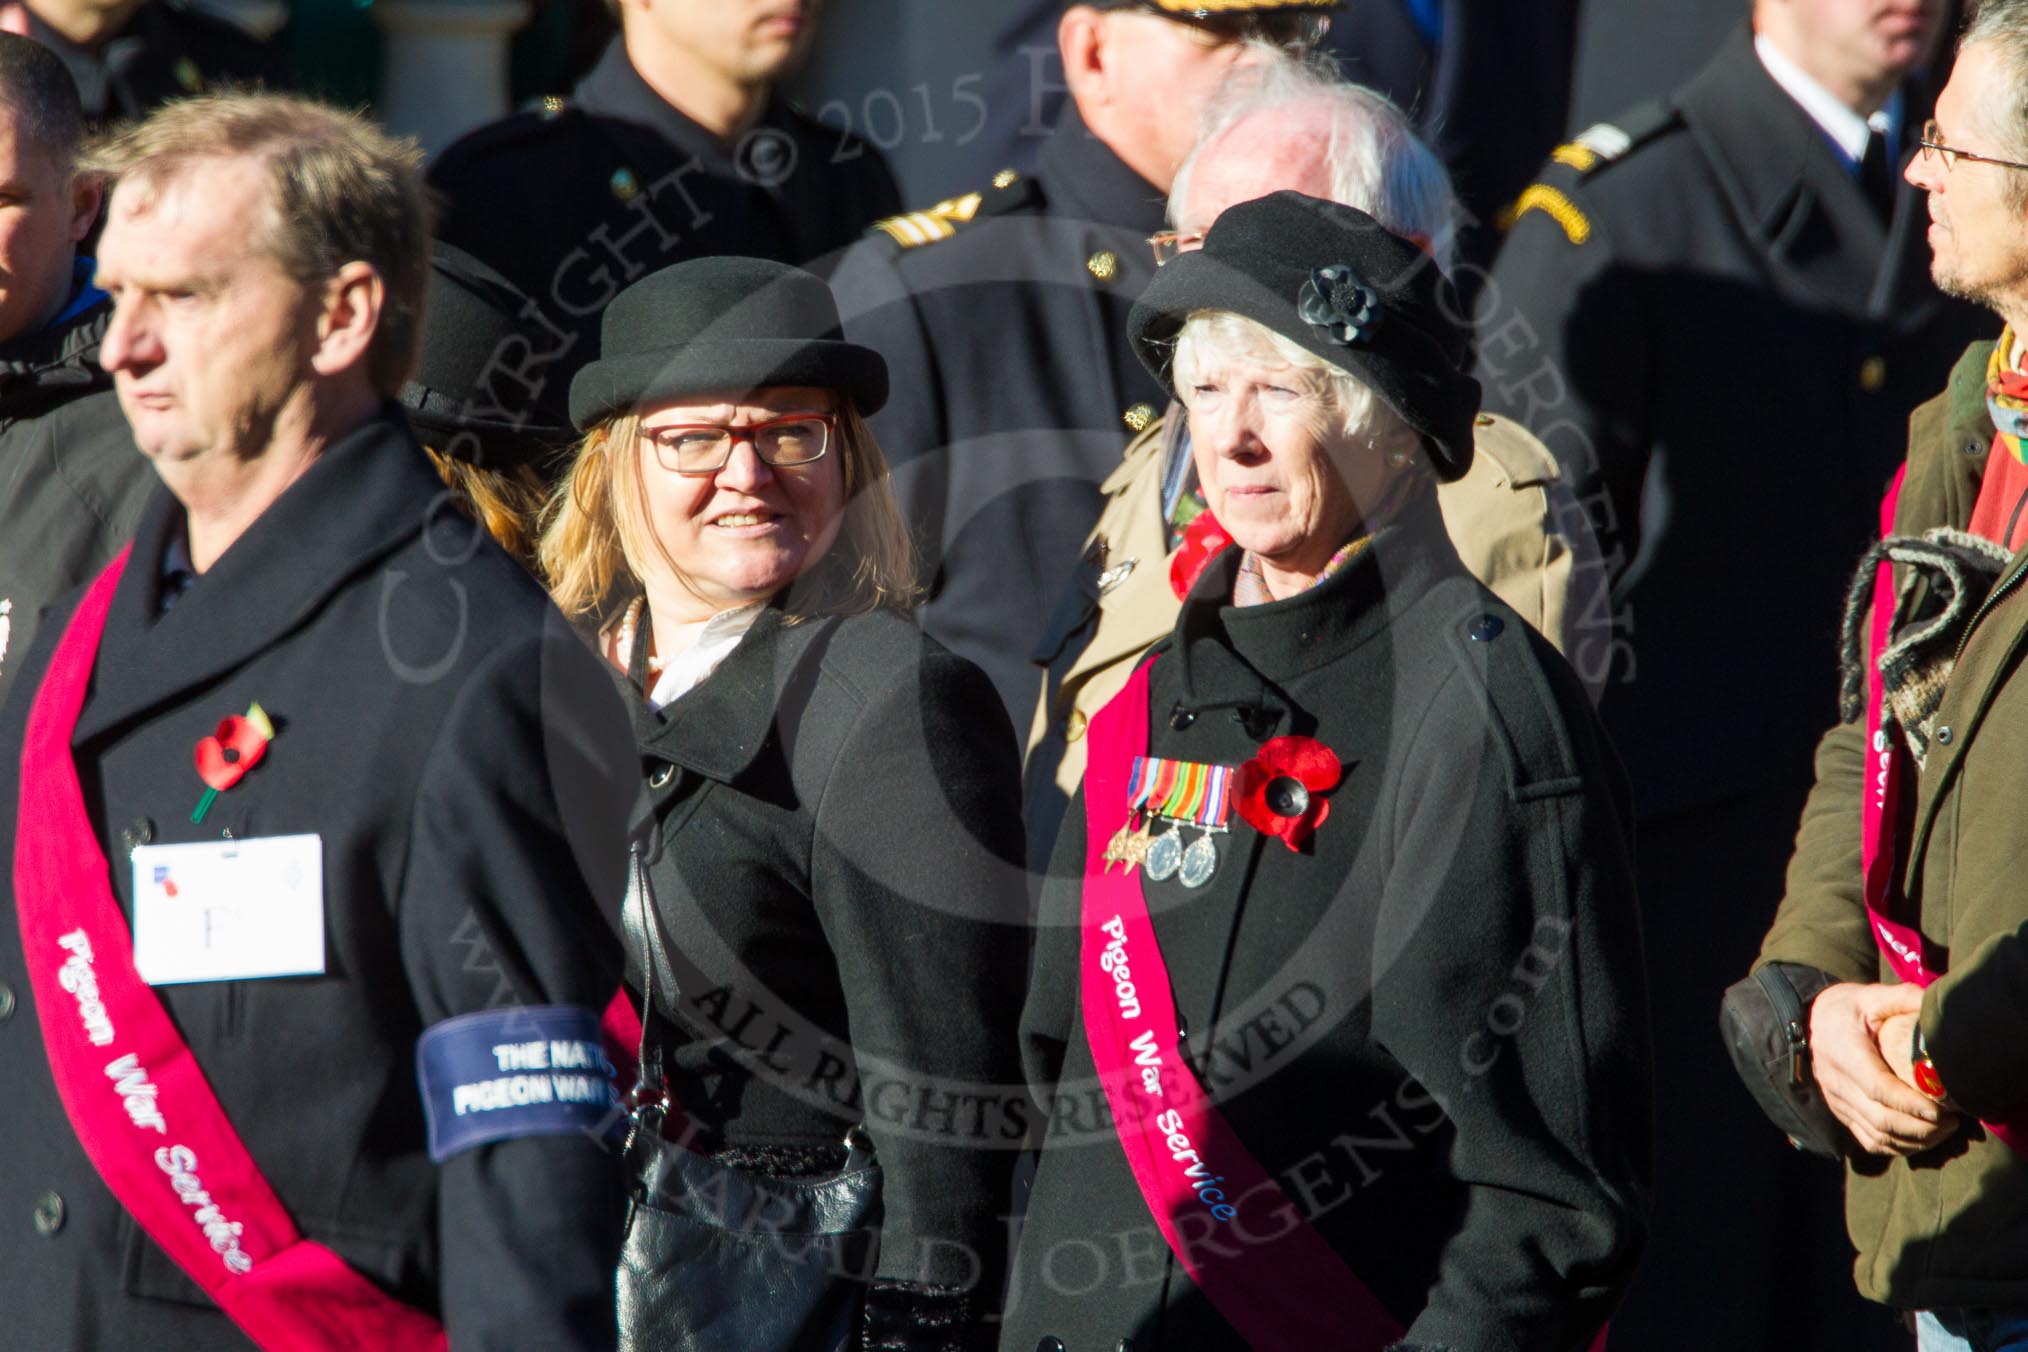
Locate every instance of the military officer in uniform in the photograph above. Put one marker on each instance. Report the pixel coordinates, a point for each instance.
(131, 55)
(1002, 314)
(675, 146)
(1717, 312)
(302, 949)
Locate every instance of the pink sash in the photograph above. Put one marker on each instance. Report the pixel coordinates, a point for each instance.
(1240, 1238)
(139, 1102)
(1886, 771)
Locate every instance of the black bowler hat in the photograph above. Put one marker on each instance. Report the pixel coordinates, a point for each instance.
(715, 325)
(466, 397)
(1334, 281)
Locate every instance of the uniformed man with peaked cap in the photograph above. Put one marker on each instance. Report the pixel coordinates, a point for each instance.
(1002, 315)
(675, 146)
(1716, 310)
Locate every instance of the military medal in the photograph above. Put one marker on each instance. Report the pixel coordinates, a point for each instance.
(1181, 793)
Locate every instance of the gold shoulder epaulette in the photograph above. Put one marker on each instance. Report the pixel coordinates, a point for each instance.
(915, 228)
(1552, 202)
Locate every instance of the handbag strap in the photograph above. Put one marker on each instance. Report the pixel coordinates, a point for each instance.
(638, 921)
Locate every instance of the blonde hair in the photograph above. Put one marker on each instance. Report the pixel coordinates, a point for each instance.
(597, 537)
(507, 502)
(339, 190)
(1213, 341)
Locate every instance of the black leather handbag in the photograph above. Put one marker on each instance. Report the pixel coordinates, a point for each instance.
(1766, 1022)
(717, 1259)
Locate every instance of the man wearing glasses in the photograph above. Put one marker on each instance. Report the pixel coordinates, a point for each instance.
(1918, 914)
(1715, 311)
(1002, 315)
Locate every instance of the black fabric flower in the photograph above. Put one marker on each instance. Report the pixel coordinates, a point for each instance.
(1337, 302)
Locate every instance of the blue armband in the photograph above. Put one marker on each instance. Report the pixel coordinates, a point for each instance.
(532, 1070)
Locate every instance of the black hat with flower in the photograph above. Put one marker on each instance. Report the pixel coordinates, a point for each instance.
(1339, 284)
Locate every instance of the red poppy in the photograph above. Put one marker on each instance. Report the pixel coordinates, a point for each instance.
(1203, 539)
(1281, 790)
(230, 752)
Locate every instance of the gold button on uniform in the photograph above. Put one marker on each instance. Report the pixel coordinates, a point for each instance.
(552, 107)
(1073, 727)
(624, 185)
(1872, 374)
(1138, 417)
(1005, 178)
(1104, 265)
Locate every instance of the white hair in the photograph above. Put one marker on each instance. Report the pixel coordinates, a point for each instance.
(1213, 342)
(1373, 158)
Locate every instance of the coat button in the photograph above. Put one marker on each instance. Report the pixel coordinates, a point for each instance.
(1073, 727)
(135, 834)
(1005, 179)
(1103, 265)
(48, 1214)
(663, 774)
(6, 1002)
(624, 185)
(1943, 735)
(1181, 718)
(1872, 374)
(1138, 417)
(1973, 448)
(1050, 1345)
(1485, 629)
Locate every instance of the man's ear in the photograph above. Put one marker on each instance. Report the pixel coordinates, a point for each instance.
(349, 318)
(87, 195)
(1081, 39)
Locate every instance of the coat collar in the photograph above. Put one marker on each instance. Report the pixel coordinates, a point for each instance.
(1241, 656)
(1086, 181)
(719, 728)
(367, 494)
(1790, 189)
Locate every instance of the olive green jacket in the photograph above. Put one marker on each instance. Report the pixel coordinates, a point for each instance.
(1948, 1227)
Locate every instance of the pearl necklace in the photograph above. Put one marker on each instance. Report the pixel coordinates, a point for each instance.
(624, 645)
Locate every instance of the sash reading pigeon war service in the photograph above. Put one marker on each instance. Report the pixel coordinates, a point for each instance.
(171, 1157)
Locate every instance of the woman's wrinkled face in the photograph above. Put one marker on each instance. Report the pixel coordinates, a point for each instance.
(1277, 469)
(745, 531)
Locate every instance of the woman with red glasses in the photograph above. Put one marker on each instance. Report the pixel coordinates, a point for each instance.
(827, 948)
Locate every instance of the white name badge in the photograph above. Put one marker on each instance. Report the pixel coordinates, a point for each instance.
(229, 910)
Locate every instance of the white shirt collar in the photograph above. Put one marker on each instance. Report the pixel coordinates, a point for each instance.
(1847, 130)
(715, 642)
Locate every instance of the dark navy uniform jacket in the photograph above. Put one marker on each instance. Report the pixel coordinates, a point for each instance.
(448, 738)
(1002, 315)
(575, 198)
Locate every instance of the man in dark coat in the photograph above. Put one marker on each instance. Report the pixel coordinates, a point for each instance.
(130, 56)
(71, 483)
(675, 146)
(1717, 313)
(1002, 315)
(391, 715)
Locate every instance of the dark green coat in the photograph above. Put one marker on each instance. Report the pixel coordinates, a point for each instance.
(1944, 1228)
(836, 860)
(1429, 1027)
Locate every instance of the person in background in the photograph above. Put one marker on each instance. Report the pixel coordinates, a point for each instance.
(1003, 315)
(71, 483)
(312, 835)
(834, 827)
(1514, 523)
(675, 146)
(1715, 310)
(130, 56)
(491, 448)
(1914, 907)
(1337, 1001)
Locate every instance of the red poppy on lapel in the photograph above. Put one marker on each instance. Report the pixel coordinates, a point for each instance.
(1203, 540)
(1281, 790)
(225, 756)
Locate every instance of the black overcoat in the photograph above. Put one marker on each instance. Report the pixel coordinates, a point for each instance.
(574, 198)
(836, 856)
(1015, 389)
(450, 739)
(1427, 1026)
(1722, 346)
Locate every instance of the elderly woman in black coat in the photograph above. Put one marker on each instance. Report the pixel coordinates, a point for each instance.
(1338, 1007)
(834, 827)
